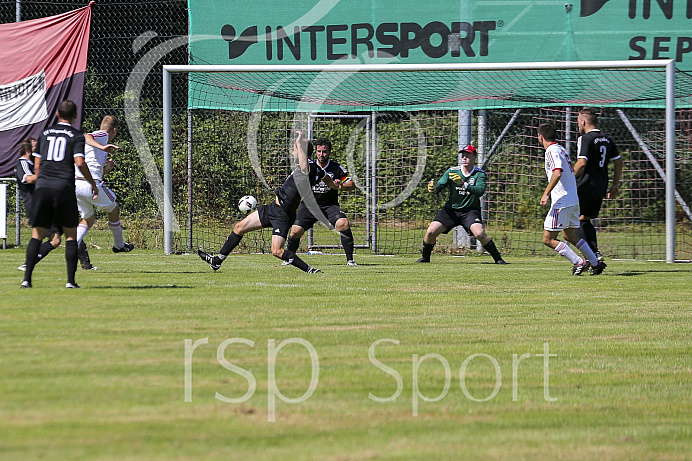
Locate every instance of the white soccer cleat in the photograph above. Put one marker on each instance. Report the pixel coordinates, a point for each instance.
(351, 262)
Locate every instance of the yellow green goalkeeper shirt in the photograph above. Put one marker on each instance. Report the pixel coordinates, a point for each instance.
(465, 196)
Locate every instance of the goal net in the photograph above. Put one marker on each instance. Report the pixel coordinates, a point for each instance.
(229, 131)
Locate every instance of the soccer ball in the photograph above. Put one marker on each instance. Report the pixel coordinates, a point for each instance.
(247, 203)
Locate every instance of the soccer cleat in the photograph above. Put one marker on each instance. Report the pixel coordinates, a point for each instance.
(581, 267)
(423, 260)
(22, 268)
(285, 263)
(314, 270)
(599, 256)
(209, 259)
(598, 268)
(85, 261)
(351, 262)
(71, 285)
(25, 284)
(127, 247)
(501, 262)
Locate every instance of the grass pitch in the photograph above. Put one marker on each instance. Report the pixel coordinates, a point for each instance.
(540, 365)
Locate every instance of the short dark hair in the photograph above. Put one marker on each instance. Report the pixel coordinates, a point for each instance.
(67, 110)
(590, 114)
(323, 142)
(547, 130)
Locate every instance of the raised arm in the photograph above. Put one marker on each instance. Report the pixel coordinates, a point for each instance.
(299, 153)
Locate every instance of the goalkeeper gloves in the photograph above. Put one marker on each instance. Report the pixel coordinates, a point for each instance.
(455, 177)
(431, 186)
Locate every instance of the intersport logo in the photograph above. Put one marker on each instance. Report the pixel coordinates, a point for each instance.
(350, 41)
(641, 8)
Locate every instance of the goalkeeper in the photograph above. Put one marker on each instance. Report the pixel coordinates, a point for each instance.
(466, 184)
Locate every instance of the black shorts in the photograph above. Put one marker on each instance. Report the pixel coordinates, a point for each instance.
(306, 220)
(590, 201)
(451, 218)
(275, 216)
(54, 208)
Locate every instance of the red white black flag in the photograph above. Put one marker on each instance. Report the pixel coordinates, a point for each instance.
(43, 62)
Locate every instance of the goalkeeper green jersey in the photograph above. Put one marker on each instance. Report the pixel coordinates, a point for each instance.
(465, 196)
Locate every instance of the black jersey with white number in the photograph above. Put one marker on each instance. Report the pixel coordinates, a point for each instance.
(288, 194)
(324, 194)
(57, 146)
(598, 148)
(22, 169)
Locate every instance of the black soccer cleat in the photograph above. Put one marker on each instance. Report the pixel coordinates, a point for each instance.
(127, 247)
(314, 270)
(72, 285)
(423, 260)
(85, 261)
(209, 259)
(581, 267)
(501, 262)
(25, 284)
(598, 268)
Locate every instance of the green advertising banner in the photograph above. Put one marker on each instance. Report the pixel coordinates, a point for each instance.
(440, 31)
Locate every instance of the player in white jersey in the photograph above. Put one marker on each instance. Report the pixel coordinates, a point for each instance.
(564, 210)
(99, 164)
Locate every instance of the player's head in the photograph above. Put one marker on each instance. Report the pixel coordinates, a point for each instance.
(110, 124)
(468, 155)
(587, 119)
(25, 147)
(67, 111)
(546, 133)
(323, 147)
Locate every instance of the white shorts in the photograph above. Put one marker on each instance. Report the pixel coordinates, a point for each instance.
(104, 202)
(562, 218)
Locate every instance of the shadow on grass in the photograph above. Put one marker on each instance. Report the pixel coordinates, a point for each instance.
(141, 287)
(633, 273)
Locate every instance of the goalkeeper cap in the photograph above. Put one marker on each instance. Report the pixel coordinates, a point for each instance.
(470, 149)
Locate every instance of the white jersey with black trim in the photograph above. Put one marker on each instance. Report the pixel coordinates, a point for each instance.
(94, 158)
(565, 191)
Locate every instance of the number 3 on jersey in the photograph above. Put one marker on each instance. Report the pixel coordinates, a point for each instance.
(604, 151)
(56, 148)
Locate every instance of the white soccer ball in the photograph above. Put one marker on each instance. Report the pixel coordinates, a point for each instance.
(247, 203)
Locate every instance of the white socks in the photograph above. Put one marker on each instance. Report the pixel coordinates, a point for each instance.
(564, 250)
(82, 229)
(588, 252)
(117, 232)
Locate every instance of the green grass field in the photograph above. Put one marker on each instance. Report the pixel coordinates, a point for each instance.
(99, 373)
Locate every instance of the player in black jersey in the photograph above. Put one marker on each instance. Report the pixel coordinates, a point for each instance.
(26, 182)
(59, 148)
(328, 202)
(280, 214)
(595, 150)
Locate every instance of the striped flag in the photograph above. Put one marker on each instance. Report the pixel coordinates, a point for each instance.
(43, 62)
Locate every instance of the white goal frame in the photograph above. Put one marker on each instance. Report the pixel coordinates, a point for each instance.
(667, 64)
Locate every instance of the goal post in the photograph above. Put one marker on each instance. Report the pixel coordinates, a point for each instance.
(341, 88)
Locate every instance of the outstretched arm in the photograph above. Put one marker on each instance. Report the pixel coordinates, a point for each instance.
(89, 139)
